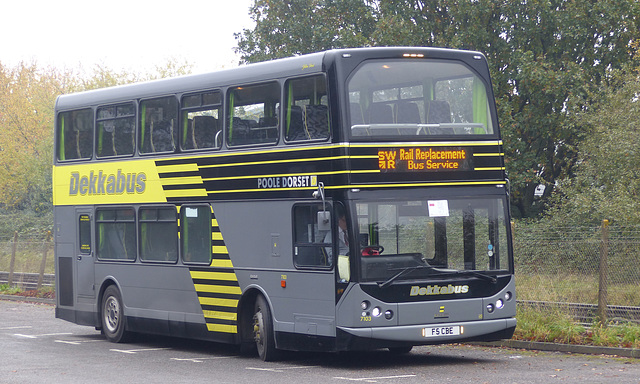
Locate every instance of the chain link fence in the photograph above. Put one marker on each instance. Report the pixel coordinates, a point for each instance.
(566, 265)
(578, 267)
(26, 262)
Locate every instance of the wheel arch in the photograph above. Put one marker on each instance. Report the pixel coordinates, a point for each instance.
(246, 311)
(108, 281)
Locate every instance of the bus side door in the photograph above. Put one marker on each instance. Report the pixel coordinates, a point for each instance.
(84, 262)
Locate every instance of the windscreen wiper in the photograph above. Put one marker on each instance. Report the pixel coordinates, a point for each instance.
(476, 274)
(402, 272)
(438, 272)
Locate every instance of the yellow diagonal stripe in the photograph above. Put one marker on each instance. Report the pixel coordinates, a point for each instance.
(217, 289)
(218, 302)
(219, 249)
(222, 328)
(220, 315)
(177, 168)
(225, 276)
(181, 180)
(200, 192)
(221, 263)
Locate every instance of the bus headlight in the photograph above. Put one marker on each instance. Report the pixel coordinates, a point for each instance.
(376, 312)
(388, 314)
(365, 305)
(499, 304)
(490, 308)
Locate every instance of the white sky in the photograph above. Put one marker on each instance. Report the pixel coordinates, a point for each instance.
(132, 35)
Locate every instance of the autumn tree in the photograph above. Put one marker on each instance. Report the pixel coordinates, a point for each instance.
(27, 98)
(546, 58)
(103, 76)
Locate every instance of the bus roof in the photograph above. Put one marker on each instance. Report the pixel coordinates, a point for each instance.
(264, 71)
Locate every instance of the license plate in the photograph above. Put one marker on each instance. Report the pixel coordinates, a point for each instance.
(441, 331)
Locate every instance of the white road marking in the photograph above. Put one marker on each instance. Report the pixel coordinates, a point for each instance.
(77, 342)
(280, 369)
(19, 327)
(201, 359)
(44, 334)
(374, 379)
(132, 351)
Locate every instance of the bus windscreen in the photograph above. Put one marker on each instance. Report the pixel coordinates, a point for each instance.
(432, 237)
(417, 98)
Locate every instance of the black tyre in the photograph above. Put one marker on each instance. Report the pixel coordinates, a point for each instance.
(112, 316)
(263, 334)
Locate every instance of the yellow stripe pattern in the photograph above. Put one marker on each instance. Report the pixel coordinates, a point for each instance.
(217, 286)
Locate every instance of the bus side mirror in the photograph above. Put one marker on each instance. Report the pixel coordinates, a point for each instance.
(324, 220)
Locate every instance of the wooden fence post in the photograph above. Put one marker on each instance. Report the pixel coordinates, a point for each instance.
(43, 263)
(13, 258)
(602, 282)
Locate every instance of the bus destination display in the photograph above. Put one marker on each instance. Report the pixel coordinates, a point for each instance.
(416, 159)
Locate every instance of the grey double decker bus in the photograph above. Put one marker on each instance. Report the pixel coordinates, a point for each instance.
(345, 200)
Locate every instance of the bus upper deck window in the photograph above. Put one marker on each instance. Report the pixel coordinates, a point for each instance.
(201, 126)
(75, 135)
(116, 130)
(253, 114)
(158, 125)
(306, 115)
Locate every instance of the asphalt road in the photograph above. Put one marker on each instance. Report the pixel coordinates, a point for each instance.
(37, 348)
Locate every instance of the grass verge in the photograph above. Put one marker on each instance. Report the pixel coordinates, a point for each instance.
(45, 293)
(554, 326)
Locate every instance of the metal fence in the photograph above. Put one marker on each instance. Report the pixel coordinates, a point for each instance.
(574, 267)
(578, 267)
(26, 262)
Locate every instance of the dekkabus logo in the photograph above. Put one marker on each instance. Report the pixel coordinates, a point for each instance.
(100, 183)
(438, 290)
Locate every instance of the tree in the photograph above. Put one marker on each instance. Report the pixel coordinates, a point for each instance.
(27, 98)
(546, 58)
(292, 27)
(606, 184)
(102, 76)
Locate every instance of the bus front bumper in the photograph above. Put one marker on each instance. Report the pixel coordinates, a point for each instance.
(485, 330)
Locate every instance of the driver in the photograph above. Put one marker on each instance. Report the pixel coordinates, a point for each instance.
(343, 247)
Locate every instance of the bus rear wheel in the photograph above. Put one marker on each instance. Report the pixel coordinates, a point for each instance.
(112, 316)
(263, 334)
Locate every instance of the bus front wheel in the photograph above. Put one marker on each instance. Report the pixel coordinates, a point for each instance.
(112, 316)
(263, 334)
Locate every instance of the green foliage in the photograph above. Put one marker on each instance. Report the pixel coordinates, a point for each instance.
(548, 60)
(547, 325)
(293, 27)
(606, 184)
(27, 98)
(28, 224)
(552, 325)
(5, 289)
